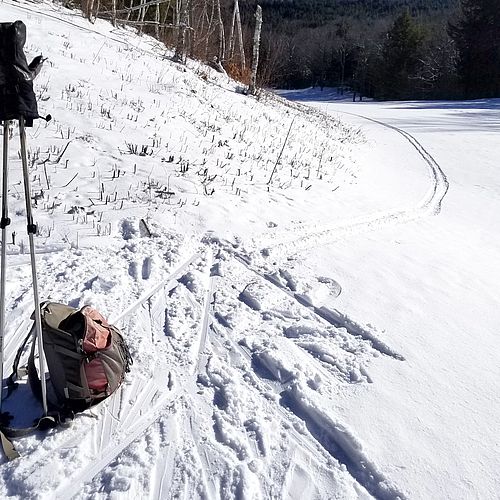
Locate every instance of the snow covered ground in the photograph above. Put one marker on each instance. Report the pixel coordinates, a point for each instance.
(310, 301)
(432, 285)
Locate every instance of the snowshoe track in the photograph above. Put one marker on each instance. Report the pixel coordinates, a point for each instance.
(332, 316)
(327, 437)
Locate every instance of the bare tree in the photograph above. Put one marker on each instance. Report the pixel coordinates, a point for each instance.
(181, 46)
(256, 47)
(236, 27)
(157, 21)
(222, 37)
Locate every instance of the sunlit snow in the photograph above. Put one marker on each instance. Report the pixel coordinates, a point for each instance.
(311, 317)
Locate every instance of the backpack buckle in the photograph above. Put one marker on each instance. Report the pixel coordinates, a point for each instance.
(49, 421)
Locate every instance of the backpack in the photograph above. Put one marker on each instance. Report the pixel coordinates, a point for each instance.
(87, 359)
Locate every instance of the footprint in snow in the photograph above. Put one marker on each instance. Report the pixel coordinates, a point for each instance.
(334, 286)
(132, 270)
(128, 229)
(146, 268)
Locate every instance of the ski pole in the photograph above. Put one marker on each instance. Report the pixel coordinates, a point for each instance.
(31, 232)
(4, 222)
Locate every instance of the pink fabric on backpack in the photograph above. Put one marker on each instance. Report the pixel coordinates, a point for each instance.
(96, 376)
(97, 337)
(97, 334)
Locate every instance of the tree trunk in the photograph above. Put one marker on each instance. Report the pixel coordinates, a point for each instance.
(209, 30)
(240, 34)
(164, 20)
(343, 57)
(130, 12)
(90, 7)
(231, 35)
(157, 20)
(94, 19)
(143, 12)
(222, 39)
(256, 47)
(180, 49)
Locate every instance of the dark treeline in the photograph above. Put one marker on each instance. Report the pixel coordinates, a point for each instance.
(386, 49)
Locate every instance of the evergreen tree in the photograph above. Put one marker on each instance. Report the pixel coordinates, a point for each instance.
(401, 59)
(477, 37)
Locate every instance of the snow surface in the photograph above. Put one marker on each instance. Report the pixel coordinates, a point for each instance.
(311, 317)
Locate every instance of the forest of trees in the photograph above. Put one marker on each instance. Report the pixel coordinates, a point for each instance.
(386, 49)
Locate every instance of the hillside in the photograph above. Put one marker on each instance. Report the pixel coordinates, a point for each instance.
(216, 176)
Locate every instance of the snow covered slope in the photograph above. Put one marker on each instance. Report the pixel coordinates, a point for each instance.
(284, 297)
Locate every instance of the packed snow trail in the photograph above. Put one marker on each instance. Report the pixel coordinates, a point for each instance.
(432, 202)
(324, 234)
(433, 287)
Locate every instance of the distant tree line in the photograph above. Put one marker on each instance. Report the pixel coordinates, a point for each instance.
(386, 49)
(397, 49)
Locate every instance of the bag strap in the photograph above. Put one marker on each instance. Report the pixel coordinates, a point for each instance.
(49, 421)
(11, 381)
(33, 378)
(8, 447)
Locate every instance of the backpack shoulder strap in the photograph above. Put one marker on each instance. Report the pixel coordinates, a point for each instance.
(33, 378)
(11, 381)
(53, 419)
(8, 448)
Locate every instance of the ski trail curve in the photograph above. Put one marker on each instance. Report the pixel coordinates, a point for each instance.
(430, 204)
(433, 200)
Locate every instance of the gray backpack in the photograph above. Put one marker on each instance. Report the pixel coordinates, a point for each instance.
(87, 359)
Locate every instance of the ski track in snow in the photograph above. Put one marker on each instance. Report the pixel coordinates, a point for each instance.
(321, 234)
(150, 397)
(116, 416)
(333, 438)
(120, 423)
(324, 436)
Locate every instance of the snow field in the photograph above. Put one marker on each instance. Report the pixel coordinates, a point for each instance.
(310, 317)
